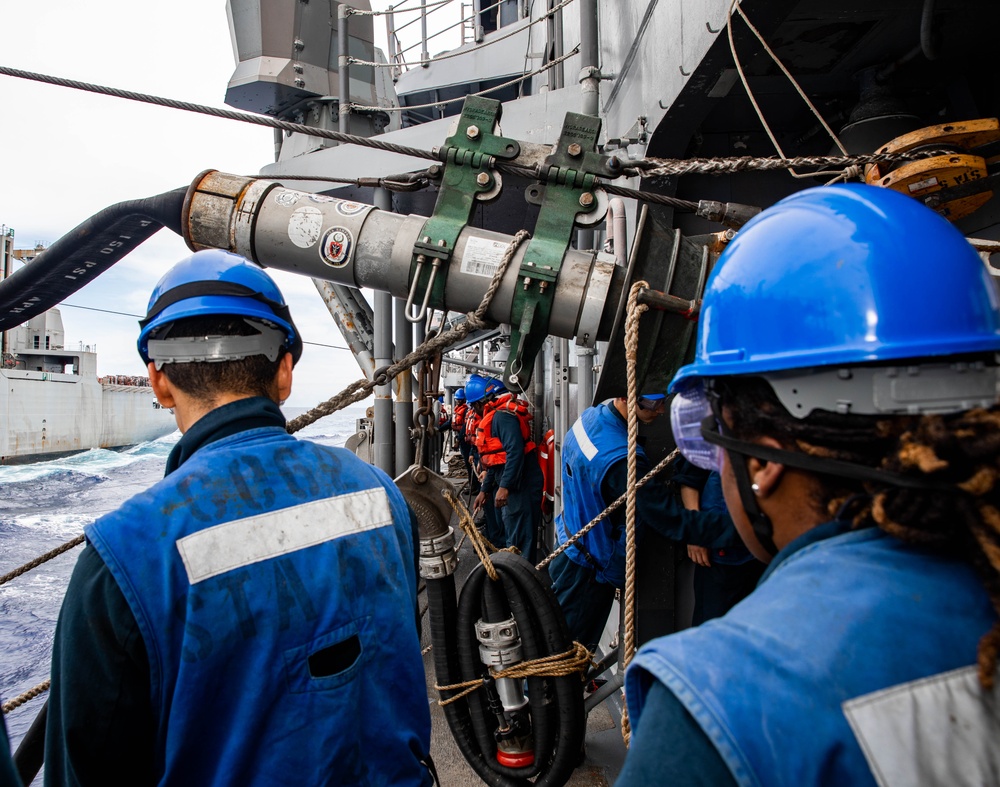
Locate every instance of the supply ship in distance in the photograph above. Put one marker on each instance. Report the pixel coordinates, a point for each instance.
(52, 403)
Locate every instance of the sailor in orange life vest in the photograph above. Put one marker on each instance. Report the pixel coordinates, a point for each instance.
(458, 420)
(845, 386)
(507, 451)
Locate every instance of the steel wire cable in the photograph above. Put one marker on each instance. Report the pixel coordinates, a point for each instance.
(259, 120)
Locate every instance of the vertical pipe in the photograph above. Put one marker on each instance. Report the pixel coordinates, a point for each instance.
(585, 377)
(478, 32)
(561, 377)
(384, 439)
(554, 46)
(419, 334)
(424, 54)
(590, 71)
(404, 396)
(584, 355)
(343, 69)
(390, 35)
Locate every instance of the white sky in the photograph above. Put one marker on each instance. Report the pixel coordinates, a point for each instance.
(68, 154)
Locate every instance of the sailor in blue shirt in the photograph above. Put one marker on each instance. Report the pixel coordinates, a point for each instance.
(250, 619)
(594, 475)
(845, 387)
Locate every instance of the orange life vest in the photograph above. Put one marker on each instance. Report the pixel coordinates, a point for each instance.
(471, 425)
(490, 448)
(458, 418)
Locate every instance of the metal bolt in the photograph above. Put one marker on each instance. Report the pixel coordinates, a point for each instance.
(527, 282)
(443, 243)
(299, 44)
(574, 149)
(483, 179)
(472, 132)
(586, 199)
(300, 82)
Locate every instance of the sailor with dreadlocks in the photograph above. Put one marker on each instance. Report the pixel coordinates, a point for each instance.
(250, 619)
(845, 383)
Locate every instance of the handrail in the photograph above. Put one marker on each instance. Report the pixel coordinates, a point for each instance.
(398, 61)
(398, 56)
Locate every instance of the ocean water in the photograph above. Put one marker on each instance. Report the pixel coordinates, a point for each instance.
(46, 504)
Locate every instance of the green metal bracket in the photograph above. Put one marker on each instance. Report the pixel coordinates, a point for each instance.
(468, 155)
(571, 171)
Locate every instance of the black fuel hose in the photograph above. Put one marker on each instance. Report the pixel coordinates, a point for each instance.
(557, 712)
(83, 254)
(31, 751)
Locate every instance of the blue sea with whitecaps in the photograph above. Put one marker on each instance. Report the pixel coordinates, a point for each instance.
(46, 504)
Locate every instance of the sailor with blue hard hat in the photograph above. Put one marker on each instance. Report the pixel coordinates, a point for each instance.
(508, 453)
(217, 591)
(586, 576)
(845, 386)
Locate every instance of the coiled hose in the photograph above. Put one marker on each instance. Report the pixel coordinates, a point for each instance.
(557, 714)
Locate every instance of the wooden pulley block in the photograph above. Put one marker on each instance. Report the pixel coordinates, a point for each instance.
(922, 178)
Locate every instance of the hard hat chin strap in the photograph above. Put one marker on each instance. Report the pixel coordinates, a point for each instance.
(759, 521)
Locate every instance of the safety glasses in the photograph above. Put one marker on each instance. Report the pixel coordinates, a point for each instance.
(652, 404)
(691, 415)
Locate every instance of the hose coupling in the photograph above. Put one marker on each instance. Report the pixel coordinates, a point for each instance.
(438, 557)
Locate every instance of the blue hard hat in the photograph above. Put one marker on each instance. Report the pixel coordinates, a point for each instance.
(479, 387)
(460, 395)
(475, 388)
(215, 282)
(842, 275)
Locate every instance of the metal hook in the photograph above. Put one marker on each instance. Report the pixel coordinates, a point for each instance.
(420, 315)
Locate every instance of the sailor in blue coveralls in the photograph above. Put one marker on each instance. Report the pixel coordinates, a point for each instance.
(250, 619)
(845, 386)
(723, 576)
(594, 475)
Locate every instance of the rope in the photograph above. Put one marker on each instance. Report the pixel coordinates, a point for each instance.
(575, 50)
(479, 542)
(574, 660)
(43, 559)
(360, 389)
(746, 86)
(653, 167)
(457, 52)
(607, 511)
(635, 311)
(30, 694)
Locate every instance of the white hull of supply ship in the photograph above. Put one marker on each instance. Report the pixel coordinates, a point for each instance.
(48, 414)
